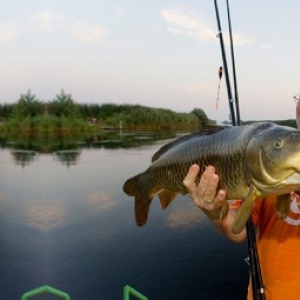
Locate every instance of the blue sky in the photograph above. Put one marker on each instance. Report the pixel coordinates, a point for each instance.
(155, 53)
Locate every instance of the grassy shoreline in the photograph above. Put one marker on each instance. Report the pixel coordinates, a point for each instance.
(45, 125)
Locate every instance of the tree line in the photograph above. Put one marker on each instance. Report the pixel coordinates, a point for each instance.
(63, 108)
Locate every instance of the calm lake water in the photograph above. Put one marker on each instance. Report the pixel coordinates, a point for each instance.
(65, 222)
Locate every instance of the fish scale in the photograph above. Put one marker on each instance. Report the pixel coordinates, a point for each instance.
(252, 161)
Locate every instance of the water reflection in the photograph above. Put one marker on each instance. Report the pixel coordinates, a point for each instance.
(185, 216)
(23, 157)
(100, 201)
(114, 140)
(67, 150)
(46, 217)
(65, 221)
(67, 157)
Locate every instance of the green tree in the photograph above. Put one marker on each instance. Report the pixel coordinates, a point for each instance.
(27, 106)
(6, 110)
(201, 115)
(63, 106)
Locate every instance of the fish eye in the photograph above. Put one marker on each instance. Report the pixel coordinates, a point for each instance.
(278, 144)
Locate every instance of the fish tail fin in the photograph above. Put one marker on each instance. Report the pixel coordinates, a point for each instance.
(141, 209)
(132, 187)
(166, 197)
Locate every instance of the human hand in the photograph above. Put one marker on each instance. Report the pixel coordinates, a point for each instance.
(205, 194)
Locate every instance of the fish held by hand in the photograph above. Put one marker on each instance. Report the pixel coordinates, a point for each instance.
(252, 161)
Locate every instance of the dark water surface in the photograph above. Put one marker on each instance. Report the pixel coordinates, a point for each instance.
(65, 222)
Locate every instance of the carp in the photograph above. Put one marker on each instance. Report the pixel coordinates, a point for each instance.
(252, 161)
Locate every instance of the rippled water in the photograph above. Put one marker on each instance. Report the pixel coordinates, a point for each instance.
(65, 222)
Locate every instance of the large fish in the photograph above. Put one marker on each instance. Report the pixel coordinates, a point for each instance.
(252, 161)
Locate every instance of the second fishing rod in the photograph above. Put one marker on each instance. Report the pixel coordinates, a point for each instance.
(255, 271)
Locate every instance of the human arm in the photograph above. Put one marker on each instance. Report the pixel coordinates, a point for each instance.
(210, 200)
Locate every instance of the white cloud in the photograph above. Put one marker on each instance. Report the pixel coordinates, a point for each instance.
(177, 18)
(46, 20)
(118, 11)
(182, 22)
(90, 33)
(266, 46)
(8, 31)
(45, 16)
(239, 39)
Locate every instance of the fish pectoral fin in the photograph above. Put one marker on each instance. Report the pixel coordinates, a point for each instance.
(244, 212)
(282, 205)
(166, 197)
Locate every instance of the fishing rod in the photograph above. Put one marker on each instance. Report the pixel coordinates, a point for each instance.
(236, 96)
(257, 283)
(258, 288)
(230, 99)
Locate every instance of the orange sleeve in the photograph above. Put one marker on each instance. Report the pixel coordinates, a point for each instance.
(256, 211)
(236, 204)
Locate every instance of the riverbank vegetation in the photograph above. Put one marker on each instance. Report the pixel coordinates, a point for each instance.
(30, 115)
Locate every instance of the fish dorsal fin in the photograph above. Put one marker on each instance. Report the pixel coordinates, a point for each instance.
(206, 130)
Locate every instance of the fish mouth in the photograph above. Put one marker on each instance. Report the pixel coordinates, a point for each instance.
(293, 181)
(284, 179)
(286, 185)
